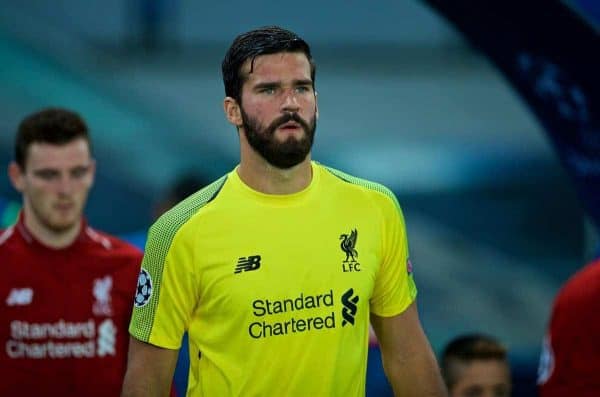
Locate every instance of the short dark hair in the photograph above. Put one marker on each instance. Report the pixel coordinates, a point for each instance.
(51, 125)
(468, 348)
(261, 41)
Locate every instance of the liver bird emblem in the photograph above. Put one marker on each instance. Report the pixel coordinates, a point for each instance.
(347, 245)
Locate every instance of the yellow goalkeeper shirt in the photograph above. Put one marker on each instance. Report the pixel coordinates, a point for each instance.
(275, 291)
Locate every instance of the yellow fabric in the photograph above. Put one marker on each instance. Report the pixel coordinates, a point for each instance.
(284, 324)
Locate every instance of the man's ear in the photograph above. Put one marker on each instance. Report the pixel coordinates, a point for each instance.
(232, 111)
(316, 106)
(16, 176)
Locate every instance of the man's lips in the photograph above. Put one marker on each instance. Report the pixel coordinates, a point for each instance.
(64, 206)
(290, 125)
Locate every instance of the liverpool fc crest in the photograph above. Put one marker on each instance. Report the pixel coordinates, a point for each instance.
(348, 244)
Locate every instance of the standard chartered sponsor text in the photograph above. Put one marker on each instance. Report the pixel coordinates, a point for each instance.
(18, 349)
(59, 339)
(60, 329)
(293, 323)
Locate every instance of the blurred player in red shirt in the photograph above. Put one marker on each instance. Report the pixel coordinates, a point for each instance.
(570, 358)
(66, 290)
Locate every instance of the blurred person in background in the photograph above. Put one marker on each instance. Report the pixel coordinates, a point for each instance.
(476, 366)
(570, 358)
(66, 288)
(277, 267)
(184, 186)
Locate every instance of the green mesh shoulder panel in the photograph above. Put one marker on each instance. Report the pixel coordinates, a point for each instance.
(364, 183)
(160, 237)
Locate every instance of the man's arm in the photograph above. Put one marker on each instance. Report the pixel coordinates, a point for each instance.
(408, 361)
(149, 370)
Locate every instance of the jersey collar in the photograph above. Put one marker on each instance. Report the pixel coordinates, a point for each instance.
(31, 240)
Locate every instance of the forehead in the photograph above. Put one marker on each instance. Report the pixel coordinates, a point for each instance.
(277, 67)
(484, 372)
(46, 155)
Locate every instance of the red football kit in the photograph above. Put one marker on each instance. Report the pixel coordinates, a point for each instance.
(570, 359)
(64, 314)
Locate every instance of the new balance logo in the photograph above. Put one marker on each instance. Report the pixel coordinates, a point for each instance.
(19, 297)
(247, 264)
(349, 310)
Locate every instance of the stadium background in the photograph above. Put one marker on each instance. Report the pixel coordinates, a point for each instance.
(495, 217)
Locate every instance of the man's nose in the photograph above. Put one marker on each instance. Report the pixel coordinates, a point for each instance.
(65, 184)
(290, 102)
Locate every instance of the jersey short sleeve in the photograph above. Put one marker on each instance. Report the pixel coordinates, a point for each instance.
(395, 288)
(167, 289)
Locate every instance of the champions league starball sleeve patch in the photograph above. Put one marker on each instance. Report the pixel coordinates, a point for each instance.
(144, 289)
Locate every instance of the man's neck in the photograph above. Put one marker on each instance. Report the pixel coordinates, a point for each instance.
(263, 177)
(49, 237)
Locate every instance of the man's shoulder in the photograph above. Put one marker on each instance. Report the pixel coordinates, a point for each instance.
(6, 236)
(171, 221)
(106, 242)
(583, 288)
(358, 183)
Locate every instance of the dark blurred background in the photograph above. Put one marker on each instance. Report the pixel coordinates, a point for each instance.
(495, 224)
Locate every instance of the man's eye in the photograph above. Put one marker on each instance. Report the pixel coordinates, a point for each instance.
(267, 90)
(46, 175)
(79, 172)
(302, 89)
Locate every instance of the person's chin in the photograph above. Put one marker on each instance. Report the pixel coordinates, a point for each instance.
(63, 223)
(283, 134)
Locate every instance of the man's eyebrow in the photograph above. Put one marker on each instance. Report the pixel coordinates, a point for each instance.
(46, 171)
(271, 84)
(303, 82)
(79, 166)
(267, 84)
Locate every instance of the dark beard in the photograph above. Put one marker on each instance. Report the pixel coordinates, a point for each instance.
(284, 154)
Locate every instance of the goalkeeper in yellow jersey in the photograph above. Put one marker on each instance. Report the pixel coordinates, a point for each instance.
(276, 269)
